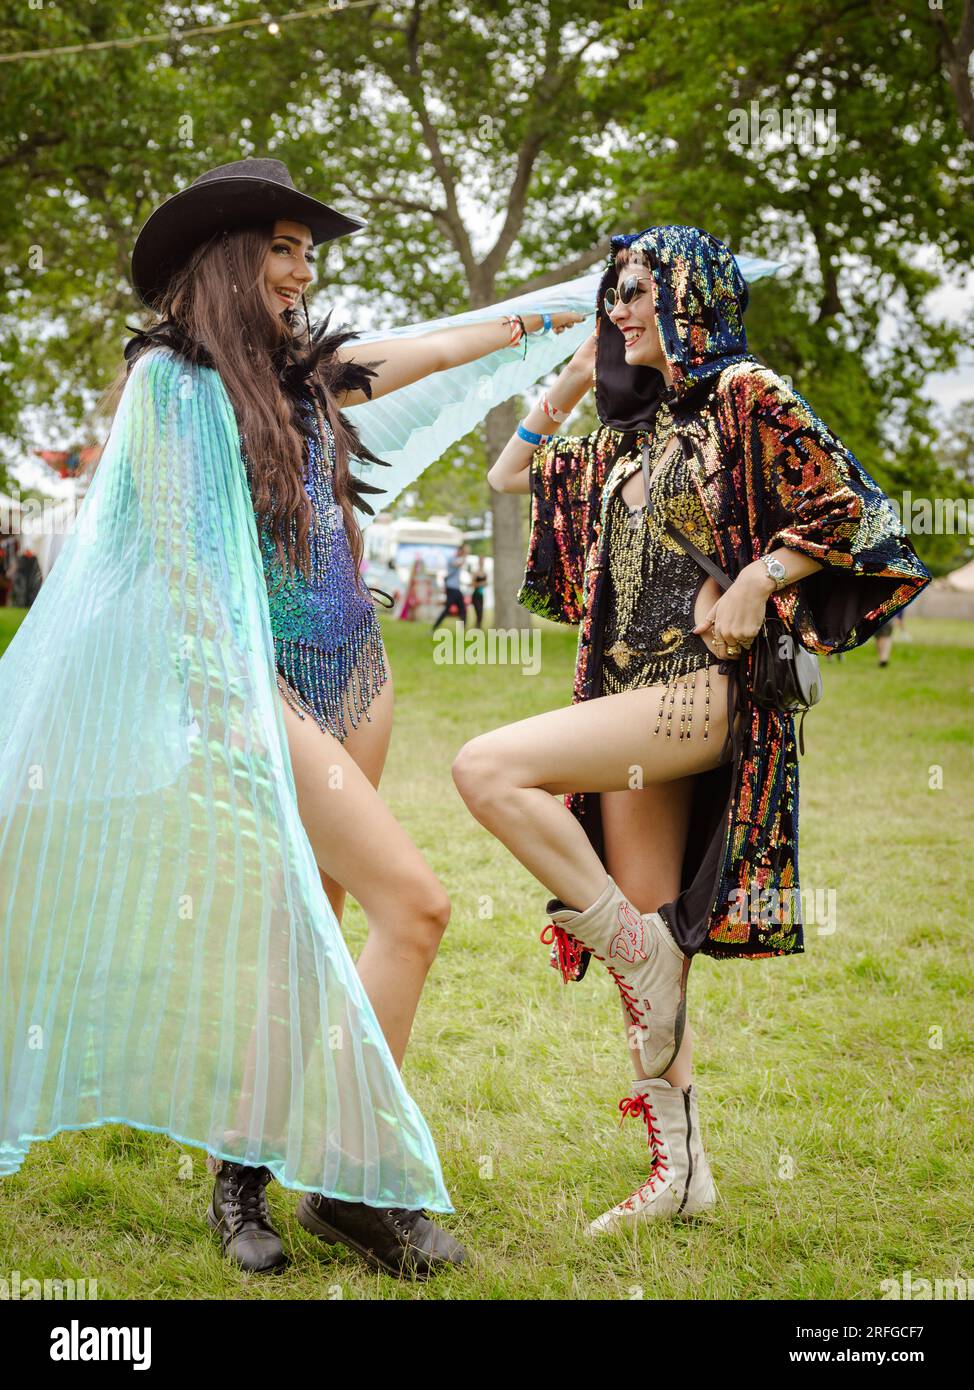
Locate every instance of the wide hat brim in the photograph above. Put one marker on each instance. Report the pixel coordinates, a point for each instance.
(192, 216)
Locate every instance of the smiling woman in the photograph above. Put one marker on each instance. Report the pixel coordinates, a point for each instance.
(226, 701)
(679, 789)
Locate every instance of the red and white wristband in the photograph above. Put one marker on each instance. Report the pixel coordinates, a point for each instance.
(552, 411)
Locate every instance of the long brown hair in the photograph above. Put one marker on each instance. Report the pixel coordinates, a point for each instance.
(213, 310)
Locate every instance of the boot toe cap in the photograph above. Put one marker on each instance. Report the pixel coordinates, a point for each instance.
(257, 1252)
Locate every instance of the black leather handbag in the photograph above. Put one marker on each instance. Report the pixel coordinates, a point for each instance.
(783, 675)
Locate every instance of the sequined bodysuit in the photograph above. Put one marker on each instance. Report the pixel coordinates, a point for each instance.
(327, 640)
(651, 589)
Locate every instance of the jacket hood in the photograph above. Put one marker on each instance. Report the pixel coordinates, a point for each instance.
(701, 296)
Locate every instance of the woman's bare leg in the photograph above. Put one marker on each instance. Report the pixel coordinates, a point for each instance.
(644, 834)
(358, 842)
(512, 779)
(367, 746)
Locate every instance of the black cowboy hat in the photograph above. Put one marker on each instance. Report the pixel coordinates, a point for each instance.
(230, 196)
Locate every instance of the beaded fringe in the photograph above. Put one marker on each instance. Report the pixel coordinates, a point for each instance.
(677, 673)
(688, 682)
(336, 687)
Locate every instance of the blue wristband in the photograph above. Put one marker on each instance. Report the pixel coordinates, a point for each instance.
(546, 323)
(529, 436)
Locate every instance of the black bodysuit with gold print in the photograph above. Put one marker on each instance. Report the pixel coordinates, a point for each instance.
(652, 584)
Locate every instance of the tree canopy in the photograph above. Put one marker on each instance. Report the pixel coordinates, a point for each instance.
(495, 147)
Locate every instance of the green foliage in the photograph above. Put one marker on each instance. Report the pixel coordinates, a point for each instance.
(957, 441)
(493, 144)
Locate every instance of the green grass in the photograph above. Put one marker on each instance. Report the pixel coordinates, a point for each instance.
(10, 620)
(839, 1137)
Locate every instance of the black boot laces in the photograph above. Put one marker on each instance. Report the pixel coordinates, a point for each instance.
(246, 1199)
(405, 1220)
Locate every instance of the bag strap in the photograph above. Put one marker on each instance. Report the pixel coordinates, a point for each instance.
(695, 553)
(724, 581)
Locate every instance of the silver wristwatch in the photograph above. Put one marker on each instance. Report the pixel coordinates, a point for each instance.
(775, 569)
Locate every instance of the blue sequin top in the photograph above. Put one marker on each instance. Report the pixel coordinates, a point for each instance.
(323, 610)
(326, 633)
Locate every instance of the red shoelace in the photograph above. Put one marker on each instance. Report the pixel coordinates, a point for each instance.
(628, 998)
(637, 1107)
(568, 957)
(567, 948)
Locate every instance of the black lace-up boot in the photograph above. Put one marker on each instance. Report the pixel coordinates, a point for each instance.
(239, 1212)
(401, 1242)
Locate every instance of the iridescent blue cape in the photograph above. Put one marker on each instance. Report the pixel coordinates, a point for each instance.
(169, 957)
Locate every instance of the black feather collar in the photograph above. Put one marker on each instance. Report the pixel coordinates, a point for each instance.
(300, 373)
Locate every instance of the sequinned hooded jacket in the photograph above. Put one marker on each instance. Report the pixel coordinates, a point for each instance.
(769, 473)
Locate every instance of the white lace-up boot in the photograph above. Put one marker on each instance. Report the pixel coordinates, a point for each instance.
(680, 1182)
(640, 954)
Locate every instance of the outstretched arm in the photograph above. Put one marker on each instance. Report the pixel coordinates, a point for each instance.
(401, 361)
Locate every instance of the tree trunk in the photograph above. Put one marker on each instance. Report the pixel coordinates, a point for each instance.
(508, 530)
(956, 56)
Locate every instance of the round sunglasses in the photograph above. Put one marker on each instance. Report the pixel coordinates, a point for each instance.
(629, 289)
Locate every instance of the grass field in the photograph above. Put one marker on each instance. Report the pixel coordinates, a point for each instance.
(836, 1088)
